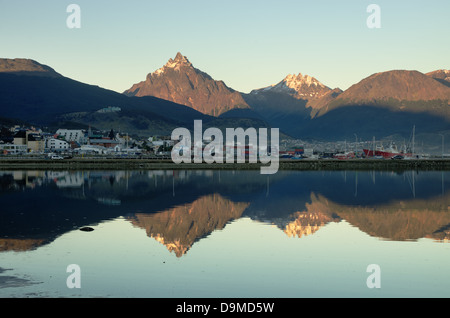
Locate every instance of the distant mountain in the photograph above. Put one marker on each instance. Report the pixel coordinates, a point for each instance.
(298, 86)
(279, 109)
(180, 82)
(318, 104)
(442, 76)
(292, 102)
(26, 67)
(55, 101)
(381, 105)
(398, 90)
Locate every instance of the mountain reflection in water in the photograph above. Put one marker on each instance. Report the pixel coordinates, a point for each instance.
(179, 208)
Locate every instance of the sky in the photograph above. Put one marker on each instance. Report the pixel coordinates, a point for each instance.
(246, 43)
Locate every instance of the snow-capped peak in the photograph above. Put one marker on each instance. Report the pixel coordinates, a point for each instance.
(175, 64)
(297, 81)
(299, 86)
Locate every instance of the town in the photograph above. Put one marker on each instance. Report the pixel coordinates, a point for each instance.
(67, 143)
(31, 142)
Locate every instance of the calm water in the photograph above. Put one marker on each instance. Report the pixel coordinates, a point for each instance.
(224, 233)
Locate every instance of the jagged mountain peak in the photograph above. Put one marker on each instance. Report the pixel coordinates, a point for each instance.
(299, 86)
(297, 81)
(180, 82)
(181, 58)
(176, 64)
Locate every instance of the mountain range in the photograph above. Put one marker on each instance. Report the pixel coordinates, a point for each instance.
(382, 105)
(35, 94)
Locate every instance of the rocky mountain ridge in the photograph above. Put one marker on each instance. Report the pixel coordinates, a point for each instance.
(180, 82)
(383, 104)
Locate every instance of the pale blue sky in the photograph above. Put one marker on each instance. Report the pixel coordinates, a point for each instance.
(248, 44)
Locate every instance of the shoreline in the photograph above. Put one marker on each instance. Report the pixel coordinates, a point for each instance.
(167, 164)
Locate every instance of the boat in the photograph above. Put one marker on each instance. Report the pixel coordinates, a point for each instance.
(386, 153)
(392, 150)
(344, 156)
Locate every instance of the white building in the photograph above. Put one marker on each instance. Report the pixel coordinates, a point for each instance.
(72, 135)
(90, 149)
(57, 144)
(165, 143)
(13, 149)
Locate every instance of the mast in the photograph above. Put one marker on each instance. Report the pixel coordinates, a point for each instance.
(373, 147)
(413, 136)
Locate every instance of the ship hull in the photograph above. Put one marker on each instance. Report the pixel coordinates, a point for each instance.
(384, 154)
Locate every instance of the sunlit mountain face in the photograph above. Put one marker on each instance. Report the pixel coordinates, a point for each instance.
(180, 208)
(180, 82)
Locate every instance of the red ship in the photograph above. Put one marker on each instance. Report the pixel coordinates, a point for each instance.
(392, 151)
(386, 153)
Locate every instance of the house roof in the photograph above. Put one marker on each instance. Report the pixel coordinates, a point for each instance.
(20, 134)
(103, 141)
(32, 137)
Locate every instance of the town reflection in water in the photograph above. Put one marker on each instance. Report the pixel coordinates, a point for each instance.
(180, 208)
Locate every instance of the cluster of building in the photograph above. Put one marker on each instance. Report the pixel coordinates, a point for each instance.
(18, 140)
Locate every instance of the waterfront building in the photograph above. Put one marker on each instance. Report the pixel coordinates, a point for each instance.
(57, 144)
(33, 141)
(76, 135)
(11, 149)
